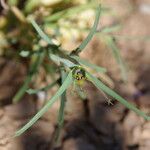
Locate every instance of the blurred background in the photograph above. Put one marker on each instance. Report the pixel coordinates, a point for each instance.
(91, 124)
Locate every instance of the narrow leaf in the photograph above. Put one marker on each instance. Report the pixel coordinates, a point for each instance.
(86, 63)
(65, 61)
(60, 91)
(116, 52)
(32, 71)
(109, 29)
(91, 33)
(40, 32)
(22, 90)
(110, 92)
(69, 12)
(61, 109)
(131, 37)
(34, 91)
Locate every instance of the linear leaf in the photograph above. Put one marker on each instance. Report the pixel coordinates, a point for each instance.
(110, 92)
(60, 91)
(131, 37)
(109, 29)
(91, 33)
(116, 52)
(86, 63)
(65, 61)
(34, 91)
(40, 32)
(32, 71)
(61, 109)
(68, 12)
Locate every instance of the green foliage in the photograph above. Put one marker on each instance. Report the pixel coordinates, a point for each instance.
(32, 71)
(40, 32)
(53, 56)
(116, 52)
(70, 63)
(33, 91)
(113, 94)
(91, 33)
(69, 12)
(58, 59)
(86, 63)
(50, 102)
(61, 109)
